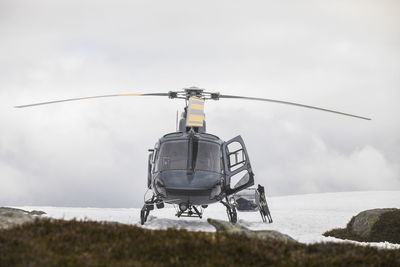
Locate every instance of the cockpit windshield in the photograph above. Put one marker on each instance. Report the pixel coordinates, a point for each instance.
(184, 154)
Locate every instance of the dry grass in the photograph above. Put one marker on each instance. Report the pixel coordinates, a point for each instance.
(72, 243)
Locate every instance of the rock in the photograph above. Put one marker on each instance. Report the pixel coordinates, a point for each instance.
(224, 226)
(227, 227)
(376, 225)
(365, 221)
(37, 212)
(10, 217)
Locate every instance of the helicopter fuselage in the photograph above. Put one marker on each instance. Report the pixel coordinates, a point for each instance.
(191, 168)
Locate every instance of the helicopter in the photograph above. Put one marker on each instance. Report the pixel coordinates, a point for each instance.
(191, 168)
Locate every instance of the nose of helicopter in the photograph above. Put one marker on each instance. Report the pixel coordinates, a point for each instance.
(198, 180)
(194, 186)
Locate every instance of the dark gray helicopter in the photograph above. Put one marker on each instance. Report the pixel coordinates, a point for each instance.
(191, 168)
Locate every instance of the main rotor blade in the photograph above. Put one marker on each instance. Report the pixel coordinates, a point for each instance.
(293, 104)
(88, 97)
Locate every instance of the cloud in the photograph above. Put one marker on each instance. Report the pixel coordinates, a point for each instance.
(93, 153)
(363, 169)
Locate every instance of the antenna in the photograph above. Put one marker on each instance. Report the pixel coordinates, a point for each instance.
(176, 124)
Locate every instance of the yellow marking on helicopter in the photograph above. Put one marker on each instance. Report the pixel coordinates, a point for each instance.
(196, 106)
(196, 118)
(195, 113)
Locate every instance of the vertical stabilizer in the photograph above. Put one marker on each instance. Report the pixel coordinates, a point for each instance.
(195, 112)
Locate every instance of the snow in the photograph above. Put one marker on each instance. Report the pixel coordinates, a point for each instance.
(303, 217)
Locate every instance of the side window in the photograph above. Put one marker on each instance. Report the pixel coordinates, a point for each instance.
(236, 156)
(239, 179)
(237, 166)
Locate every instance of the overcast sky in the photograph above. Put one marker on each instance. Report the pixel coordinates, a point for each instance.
(342, 55)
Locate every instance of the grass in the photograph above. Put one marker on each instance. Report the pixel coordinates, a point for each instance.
(72, 243)
(387, 228)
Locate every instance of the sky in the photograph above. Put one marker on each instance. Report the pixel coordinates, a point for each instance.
(342, 55)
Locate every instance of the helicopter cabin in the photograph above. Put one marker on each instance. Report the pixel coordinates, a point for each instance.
(197, 168)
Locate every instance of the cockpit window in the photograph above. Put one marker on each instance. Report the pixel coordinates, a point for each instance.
(207, 157)
(173, 156)
(182, 155)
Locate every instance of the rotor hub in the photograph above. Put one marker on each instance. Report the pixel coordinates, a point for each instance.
(193, 91)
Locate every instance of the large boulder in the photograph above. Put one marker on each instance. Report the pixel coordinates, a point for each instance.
(376, 225)
(227, 227)
(364, 222)
(10, 217)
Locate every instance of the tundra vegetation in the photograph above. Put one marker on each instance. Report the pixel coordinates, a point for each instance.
(45, 242)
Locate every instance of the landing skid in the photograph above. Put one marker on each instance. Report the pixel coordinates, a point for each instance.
(148, 206)
(191, 211)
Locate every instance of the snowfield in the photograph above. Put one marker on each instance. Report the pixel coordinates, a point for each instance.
(303, 217)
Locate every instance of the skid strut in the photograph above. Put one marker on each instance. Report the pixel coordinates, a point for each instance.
(230, 211)
(189, 212)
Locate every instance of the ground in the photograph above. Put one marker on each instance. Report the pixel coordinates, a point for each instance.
(84, 243)
(303, 217)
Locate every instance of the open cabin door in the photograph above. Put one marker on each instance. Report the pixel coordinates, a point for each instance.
(239, 174)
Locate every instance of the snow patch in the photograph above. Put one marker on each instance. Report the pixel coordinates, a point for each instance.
(303, 217)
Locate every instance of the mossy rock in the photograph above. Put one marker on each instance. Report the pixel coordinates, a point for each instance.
(376, 225)
(227, 227)
(10, 217)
